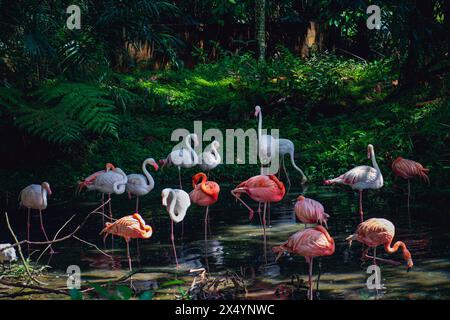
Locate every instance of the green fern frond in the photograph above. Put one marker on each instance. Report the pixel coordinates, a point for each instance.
(63, 112)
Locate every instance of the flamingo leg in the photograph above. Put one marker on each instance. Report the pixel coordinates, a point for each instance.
(206, 223)
(268, 213)
(43, 230)
(137, 204)
(246, 205)
(173, 243)
(103, 209)
(310, 278)
(128, 255)
(264, 219)
(110, 219)
(360, 206)
(287, 175)
(375, 255)
(110, 208)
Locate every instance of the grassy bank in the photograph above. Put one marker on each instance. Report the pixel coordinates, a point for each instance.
(331, 107)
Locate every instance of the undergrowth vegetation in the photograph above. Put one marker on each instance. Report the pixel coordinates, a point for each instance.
(329, 105)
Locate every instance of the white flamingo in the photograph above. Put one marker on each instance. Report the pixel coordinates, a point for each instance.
(185, 157)
(7, 253)
(361, 178)
(177, 202)
(211, 157)
(141, 184)
(111, 181)
(35, 197)
(267, 145)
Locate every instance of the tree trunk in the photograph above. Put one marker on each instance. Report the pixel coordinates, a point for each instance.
(260, 28)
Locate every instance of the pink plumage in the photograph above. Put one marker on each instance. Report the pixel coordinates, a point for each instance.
(128, 227)
(310, 211)
(408, 169)
(309, 243)
(361, 178)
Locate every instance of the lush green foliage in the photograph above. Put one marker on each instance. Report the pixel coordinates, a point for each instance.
(329, 106)
(79, 92)
(62, 112)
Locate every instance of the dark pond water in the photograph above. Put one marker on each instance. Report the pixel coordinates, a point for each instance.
(237, 244)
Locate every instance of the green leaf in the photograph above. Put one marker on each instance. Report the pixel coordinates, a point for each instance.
(147, 295)
(76, 294)
(100, 291)
(172, 283)
(124, 292)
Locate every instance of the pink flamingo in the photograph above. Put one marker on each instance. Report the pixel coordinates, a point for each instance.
(260, 188)
(310, 211)
(361, 178)
(374, 232)
(408, 169)
(309, 243)
(35, 197)
(205, 193)
(128, 227)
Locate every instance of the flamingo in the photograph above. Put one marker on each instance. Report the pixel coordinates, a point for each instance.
(111, 181)
(408, 169)
(139, 184)
(361, 178)
(177, 202)
(128, 227)
(310, 211)
(89, 184)
(267, 146)
(7, 253)
(376, 231)
(204, 194)
(185, 157)
(210, 157)
(260, 188)
(309, 243)
(35, 197)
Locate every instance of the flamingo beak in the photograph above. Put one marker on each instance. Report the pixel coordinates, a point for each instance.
(49, 191)
(155, 165)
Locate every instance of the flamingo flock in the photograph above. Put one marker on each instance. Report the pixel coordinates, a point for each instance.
(313, 241)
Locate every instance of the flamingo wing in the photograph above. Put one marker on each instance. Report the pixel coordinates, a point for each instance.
(360, 174)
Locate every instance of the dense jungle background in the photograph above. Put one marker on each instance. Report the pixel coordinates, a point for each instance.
(114, 90)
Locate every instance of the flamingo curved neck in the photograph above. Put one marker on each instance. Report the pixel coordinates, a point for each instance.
(374, 161)
(171, 210)
(44, 196)
(395, 247)
(215, 153)
(259, 124)
(119, 186)
(187, 141)
(151, 182)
